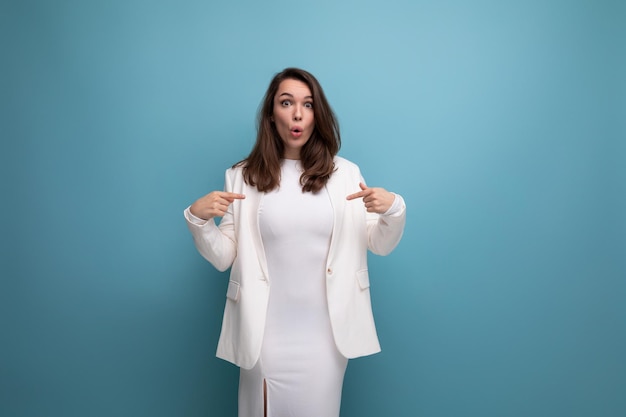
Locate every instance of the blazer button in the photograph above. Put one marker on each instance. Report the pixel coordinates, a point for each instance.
(329, 271)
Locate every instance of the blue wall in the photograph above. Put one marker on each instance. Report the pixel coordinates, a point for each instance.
(502, 123)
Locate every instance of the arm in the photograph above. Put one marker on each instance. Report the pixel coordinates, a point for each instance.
(217, 244)
(385, 230)
(385, 217)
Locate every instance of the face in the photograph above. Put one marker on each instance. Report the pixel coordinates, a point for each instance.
(293, 116)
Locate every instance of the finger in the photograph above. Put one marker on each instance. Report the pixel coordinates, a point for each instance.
(231, 196)
(364, 191)
(357, 195)
(222, 205)
(220, 209)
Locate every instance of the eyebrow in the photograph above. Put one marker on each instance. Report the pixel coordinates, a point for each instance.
(291, 95)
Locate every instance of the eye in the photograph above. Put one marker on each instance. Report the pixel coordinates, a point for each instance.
(285, 103)
(308, 105)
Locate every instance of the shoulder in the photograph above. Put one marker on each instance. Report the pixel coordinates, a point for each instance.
(234, 179)
(235, 171)
(346, 172)
(344, 166)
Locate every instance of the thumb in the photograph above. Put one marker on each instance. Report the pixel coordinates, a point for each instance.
(363, 186)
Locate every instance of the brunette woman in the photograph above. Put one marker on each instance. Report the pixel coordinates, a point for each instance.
(297, 221)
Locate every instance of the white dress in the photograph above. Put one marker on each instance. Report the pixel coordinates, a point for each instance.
(300, 364)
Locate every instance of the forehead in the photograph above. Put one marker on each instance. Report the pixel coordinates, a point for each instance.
(296, 88)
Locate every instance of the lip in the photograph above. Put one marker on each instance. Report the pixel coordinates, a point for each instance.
(296, 131)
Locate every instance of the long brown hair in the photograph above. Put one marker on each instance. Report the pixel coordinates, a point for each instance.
(262, 167)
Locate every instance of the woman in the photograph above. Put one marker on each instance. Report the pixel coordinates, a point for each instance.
(297, 221)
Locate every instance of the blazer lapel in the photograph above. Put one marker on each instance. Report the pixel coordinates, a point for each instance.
(253, 199)
(338, 201)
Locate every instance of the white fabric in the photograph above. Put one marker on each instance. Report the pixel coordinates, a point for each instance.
(299, 361)
(396, 207)
(237, 244)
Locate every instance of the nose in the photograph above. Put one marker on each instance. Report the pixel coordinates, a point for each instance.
(297, 113)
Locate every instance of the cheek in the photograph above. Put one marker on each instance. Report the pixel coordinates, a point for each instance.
(281, 119)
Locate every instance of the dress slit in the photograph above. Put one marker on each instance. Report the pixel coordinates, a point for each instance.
(264, 398)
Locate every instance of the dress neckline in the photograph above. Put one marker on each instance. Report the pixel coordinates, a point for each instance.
(294, 164)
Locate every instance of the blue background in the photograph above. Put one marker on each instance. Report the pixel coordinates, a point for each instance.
(502, 123)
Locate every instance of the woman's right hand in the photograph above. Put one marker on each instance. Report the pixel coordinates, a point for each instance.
(214, 204)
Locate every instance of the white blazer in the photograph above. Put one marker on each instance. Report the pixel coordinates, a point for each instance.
(237, 243)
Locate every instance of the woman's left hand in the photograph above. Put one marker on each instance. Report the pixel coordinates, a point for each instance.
(376, 199)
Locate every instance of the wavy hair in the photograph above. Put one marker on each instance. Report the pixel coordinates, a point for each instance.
(262, 167)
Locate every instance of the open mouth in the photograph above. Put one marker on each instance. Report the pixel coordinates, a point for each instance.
(296, 132)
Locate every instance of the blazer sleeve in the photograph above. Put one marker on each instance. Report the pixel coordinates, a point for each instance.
(217, 244)
(385, 231)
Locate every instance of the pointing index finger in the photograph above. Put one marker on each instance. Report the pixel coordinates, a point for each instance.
(232, 196)
(356, 195)
(364, 191)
